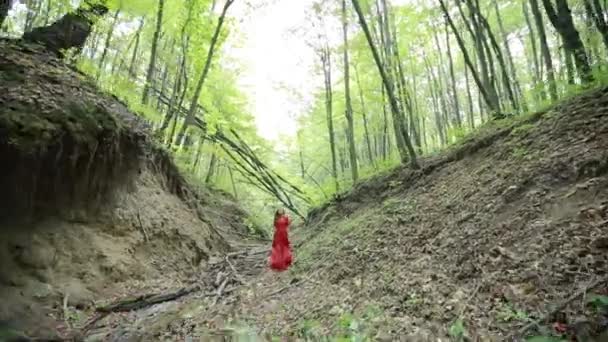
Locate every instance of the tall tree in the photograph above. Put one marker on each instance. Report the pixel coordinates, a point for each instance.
(544, 48)
(153, 52)
(325, 55)
(106, 44)
(389, 88)
(561, 19)
(350, 130)
(5, 6)
(490, 101)
(201, 81)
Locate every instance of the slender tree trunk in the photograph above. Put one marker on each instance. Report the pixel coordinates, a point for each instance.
(519, 95)
(484, 56)
(384, 133)
(211, 171)
(388, 85)
(106, 44)
(437, 104)
(561, 19)
(5, 6)
(544, 48)
(471, 112)
(350, 131)
(535, 73)
(152, 64)
(236, 195)
(443, 91)
(326, 61)
(364, 115)
(456, 103)
(596, 13)
(569, 67)
(197, 157)
(133, 64)
(201, 81)
(490, 102)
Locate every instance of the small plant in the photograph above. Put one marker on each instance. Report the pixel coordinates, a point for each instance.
(599, 302)
(457, 330)
(309, 329)
(508, 313)
(520, 152)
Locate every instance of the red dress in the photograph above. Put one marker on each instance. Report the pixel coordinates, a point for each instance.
(280, 257)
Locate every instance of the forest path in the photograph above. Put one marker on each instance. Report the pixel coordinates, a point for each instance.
(201, 308)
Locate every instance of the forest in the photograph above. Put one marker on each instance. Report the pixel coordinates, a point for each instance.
(401, 81)
(401, 89)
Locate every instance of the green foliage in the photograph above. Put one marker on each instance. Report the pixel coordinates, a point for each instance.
(507, 314)
(519, 152)
(599, 302)
(457, 330)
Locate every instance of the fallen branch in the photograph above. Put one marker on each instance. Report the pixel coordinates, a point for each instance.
(147, 300)
(142, 228)
(558, 307)
(236, 274)
(66, 313)
(220, 290)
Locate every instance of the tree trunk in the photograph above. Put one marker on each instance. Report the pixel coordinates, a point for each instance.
(490, 102)
(389, 87)
(536, 75)
(544, 48)
(133, 64)
(364, 115)
(519, 95)
(561, 19)
(596, 13)
(197, 157)
(211, 170)
(201, 81)
(470, 100)
(5, 6)
(484, 56)
(501, 61)
(152, 63)
(384, 134)
(350, 131)
(326, 61)
(455, 102)
(106, 44)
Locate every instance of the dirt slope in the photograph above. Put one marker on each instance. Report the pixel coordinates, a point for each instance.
(90, 209)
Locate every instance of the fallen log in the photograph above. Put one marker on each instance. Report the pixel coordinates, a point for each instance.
(146, 300)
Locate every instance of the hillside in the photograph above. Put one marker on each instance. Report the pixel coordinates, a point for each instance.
(493, 233)
(91, 208)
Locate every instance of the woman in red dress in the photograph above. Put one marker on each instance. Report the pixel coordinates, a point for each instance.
(280, 257)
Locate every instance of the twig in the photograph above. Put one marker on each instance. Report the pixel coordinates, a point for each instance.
(66, 313)
(141, 227)
(147, 300)
(558, 307)
(236, 274)
(220, 290)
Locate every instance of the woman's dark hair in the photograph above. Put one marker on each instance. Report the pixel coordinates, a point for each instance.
(277, 214)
